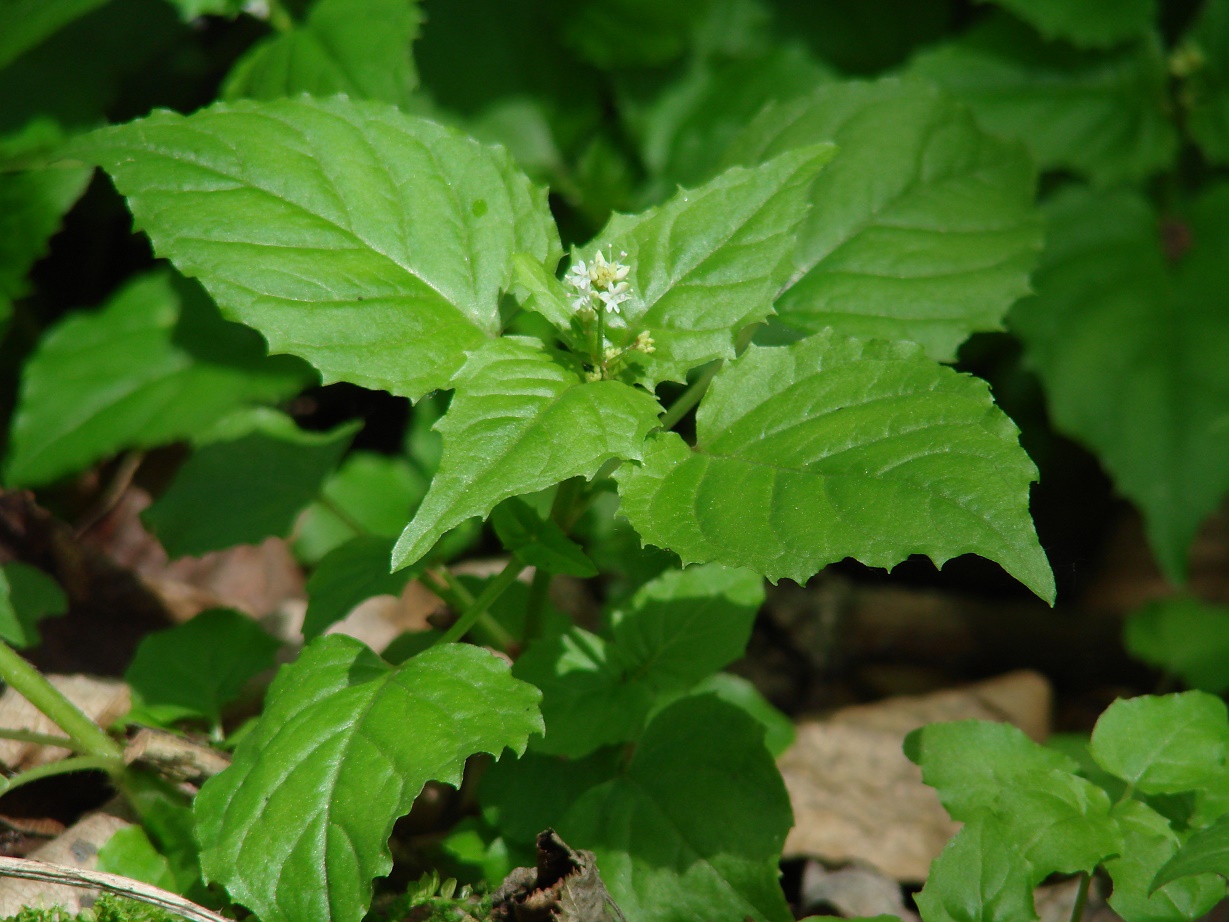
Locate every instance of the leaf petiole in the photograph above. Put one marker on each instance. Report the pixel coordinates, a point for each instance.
(62, 767)
(494, 589)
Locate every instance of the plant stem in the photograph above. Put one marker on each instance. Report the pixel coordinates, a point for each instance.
(494, 589)
(31, 685)
(344, 517)
(62, 767)
(536, 605)
(43, 739)
(690, 397)
(444, 583)
(1081, 898)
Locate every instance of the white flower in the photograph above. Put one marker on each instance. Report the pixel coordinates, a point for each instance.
(601, 280)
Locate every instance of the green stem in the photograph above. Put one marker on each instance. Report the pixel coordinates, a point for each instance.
(599, 355)
(62, 767)
(1081, 898)
(43, 739)
(444, 583)
(690, 397)
(346, 519)
(31, 685)
(536, 606)
(494, 589)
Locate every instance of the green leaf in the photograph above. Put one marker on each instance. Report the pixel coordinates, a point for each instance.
(360, 48)
(1086, 23)
(832, 448)
(1202, 60)
(31, 206)
(1131, 352)
(686, 624)
(709, 261)
(618, 34)
(521, 422)
(1206, 852)
(155, 364)
(979, 877)
(587, 698)
(865, 36)
(693, 826)
(1184, 636)
(969, 761)
(376, 493)
(732, 689)
(349, 574)
(25, 23)
(1149, 843)
(248, 482)
(195, 669)
(372, 243)
(194, 9)
(1059, 822)
(27, 596)
(298, 826)
(1102, 114)
(538, 541)
(922, 228)
(521, 797)
(129, 853)
(1163, 744)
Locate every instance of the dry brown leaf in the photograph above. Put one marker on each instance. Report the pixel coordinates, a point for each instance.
(102, 700)
(857, 798)
(76, 847)
(853, 891)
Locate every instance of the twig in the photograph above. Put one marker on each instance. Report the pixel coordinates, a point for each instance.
(111, 883)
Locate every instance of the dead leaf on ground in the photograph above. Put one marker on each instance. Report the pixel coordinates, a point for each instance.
(857, 798)
(853, 891)
(76, 847)
(102, 700)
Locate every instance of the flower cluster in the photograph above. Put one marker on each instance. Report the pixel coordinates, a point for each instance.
(601, 279)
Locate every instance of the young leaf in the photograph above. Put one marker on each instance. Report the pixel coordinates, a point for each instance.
(693, 826)
(1102, 114)
(521, 422)
(195, 669)
(979, 877)
(1088, 23)
(1131, 352)
(1202, 59)
(922, 228)
(347, 575)
(1163, 744)
(686, 624)
(538, 541)
(372, 243)
(709, 261)
(359, 48)
(27, 596)
(1148, 843)
(832, 448)
(129, 853)
(298, 826)
(1206, 852)
(155, 364)
(248, 482)
(1184, 636)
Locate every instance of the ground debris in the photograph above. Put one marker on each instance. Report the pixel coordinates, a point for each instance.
(564, 887)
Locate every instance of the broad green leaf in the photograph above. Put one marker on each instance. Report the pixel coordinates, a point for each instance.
(588, 700)
(372, 243)
(709, 261)
(360, 48)
(195, 669)
(298, 826)
(25, 23)
(248, 482)
(538, 541)
(1202, 60)
(1163, 744)
(969, 761)
(347, 575)
(732, 689)
(1184, 636)
(832, 448)
(155, 364)
(922, 228)
(1206, 852)
(165, 813)
(686, 624)
(1102, 114)
(1148, 843)
(31, 206)
(692, 827)
(521, 422)
(376, 493)
(1086, 23)
(618, 34)
(685, 127)
(129, 853)
(27, 595)
(521, 797)
(979, 877)
(1131, 352)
